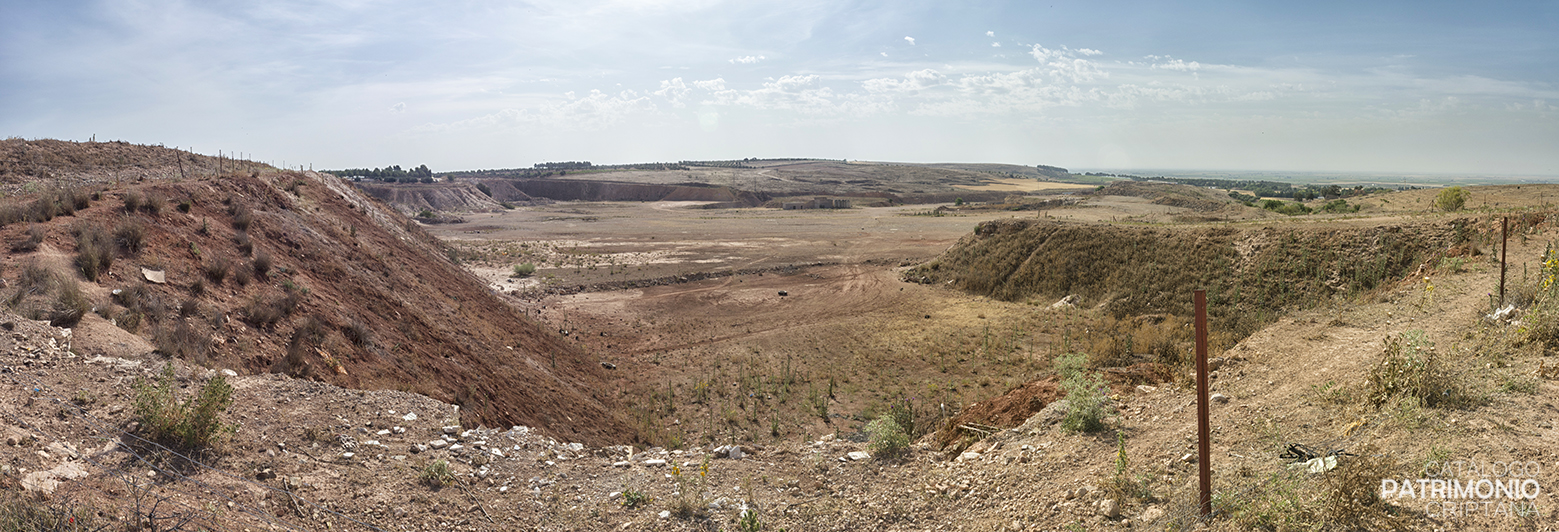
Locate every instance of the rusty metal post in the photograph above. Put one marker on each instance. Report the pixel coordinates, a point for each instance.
(1504, 248)
(1204, 430)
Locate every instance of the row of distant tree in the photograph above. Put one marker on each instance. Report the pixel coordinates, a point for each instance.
(389, 174)
(1264, 189)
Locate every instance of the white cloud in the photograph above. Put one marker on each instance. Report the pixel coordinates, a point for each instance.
(674, 90)
(1177, 65)
(594, 111)
(884, 54)
(910, 39)
(1086, 51)
(747, 60)
(913, 81)
(398, 108)
(717, 84)
(996, 45)
(1065, 63)
(990, 34)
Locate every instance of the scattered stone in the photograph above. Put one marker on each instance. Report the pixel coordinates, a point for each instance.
(654, 462)
(664, 514)
(1219, 398)
(410, 416)
(154, 276)
(968, 456)
(856, 455)
(608, 365)
(451, 429)
(438, 444)
(1109, 508)
(1070, 301)
(1153, 513)
(229, 373)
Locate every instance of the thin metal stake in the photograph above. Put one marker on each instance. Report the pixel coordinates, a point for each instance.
(1204, 442)
(1504, 248)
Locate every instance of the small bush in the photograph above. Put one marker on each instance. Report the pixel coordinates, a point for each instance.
(524, 270)
(154, 204)
(243, 242)
(1084, 395)
(132, 201)
(633, 498)
(24, 512)
(198, 286)
(183, 341)
(130, 236)
(358, 333)
(262, 311)
(437, 474)
(184, 206)
(483, 188)
(1350, 494)
(886, 438)
(262, 263)
(94, 251)
(190, 307)
(46, 294)
(217, 268)
(242, 217)
(34, 239)
(1410, 367)
(1451, 199)
(189, 424)
(241, 274)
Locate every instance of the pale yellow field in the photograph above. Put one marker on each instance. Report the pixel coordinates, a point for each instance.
(1023, 185)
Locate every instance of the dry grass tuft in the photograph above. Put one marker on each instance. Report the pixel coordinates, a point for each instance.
(48, 294)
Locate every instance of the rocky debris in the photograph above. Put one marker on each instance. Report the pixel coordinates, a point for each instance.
(47, 481)
(1219, 398)
(1070, 301)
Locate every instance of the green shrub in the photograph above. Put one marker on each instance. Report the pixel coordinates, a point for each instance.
(437, 474)
(1085, 395)
(1451, 199)
(189, 424)
(887, 438)
(1410, 367)
(633, 498)
(483, 188)
(524, 270)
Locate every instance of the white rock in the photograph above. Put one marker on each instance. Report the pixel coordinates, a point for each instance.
(1219, 398)
(229, 373)
(854, 455)
(451, 429)
(1109, 508)
(1143, 388)
(623, 463)
(1153, 513)
(968, 456)
(438, 444)
(382, 432)
(665, 514)
(410, 416)
(654, 462)
(348, 455)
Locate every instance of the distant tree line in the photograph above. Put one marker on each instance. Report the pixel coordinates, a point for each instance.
(1262, 189)
(1053, 171)
(388, 174)
(549, 169)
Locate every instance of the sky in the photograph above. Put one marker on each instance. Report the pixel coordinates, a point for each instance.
(1381, 87)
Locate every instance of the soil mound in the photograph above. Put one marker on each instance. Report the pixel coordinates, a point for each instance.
(301, 273)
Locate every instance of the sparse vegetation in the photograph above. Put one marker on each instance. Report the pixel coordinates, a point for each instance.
(437, 474)
(183, 340)
(633, 498)
(1410, 367)
(34, 238)
(131, 236)
(1451, 199)
(217, 268)
(42, 293)
(1084, 394)
(887, 438)
(94, 250)
(189, 424)
(263, 311)
(242, 216)
(262, 263)
(524, 270)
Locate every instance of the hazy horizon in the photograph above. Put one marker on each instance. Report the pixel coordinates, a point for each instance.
(1398, 87)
